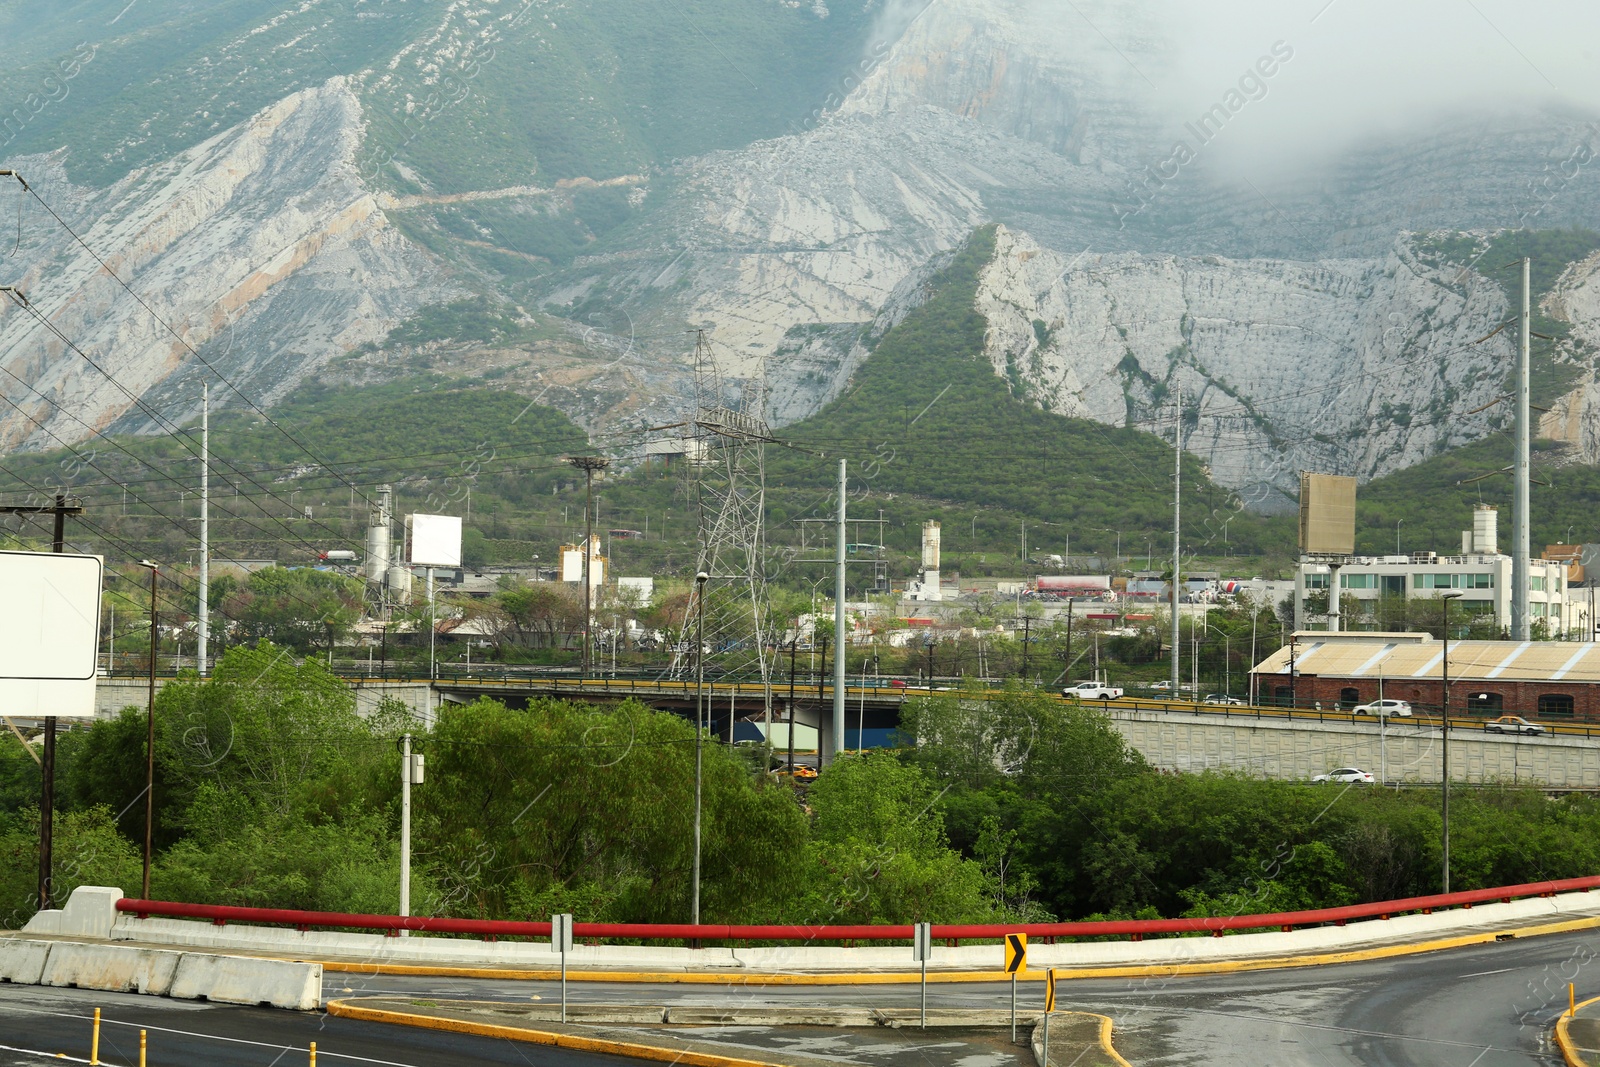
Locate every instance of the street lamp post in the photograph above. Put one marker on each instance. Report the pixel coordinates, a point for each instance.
(150, 735)
(700, 580)
(1444, 722)
(588, 465)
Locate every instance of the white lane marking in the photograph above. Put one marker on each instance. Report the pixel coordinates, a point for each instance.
(1480, 974)
(58, 1056)
(206, 1037)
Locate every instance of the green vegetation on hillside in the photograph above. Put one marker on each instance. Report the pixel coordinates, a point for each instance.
(1432, 507)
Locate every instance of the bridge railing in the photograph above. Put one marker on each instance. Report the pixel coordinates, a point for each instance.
(1133, 929)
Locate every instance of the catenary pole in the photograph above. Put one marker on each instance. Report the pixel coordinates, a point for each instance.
(1177, 500)
(203, 615)
(700, 580)
(837, 746)
(1521, 628)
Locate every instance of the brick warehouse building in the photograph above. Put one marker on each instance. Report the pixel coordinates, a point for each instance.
(1553, 680)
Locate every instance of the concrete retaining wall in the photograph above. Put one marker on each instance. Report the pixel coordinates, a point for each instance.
(111, 695)
(1297, 749)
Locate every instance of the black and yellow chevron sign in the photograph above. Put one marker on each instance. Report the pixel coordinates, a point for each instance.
(1050, 990)
(1016, 953)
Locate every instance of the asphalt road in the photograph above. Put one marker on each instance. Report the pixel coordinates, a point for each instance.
(39, 1025)
(1484, 1006)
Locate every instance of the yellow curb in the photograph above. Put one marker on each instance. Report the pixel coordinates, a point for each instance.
(1159, 970)
(1564, 1042)
(346, 1010)
(1105, 1042)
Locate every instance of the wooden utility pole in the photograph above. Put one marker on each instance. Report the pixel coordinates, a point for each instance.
(47, 790)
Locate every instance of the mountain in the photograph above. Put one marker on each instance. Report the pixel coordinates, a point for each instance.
(296, 189)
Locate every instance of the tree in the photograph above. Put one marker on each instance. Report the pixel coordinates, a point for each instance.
(879, 852)
(294, 607)
(541, 614)
(567, 807)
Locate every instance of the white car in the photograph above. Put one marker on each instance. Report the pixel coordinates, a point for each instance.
(1384, 707)
(1223, 698)
(1512, 724)
(1347, 774)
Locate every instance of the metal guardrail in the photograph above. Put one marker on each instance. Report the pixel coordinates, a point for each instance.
(1134, 929)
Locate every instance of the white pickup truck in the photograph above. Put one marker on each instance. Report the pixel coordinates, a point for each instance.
(1092, 691)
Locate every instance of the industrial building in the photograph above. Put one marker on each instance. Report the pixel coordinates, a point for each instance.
(1535, 679)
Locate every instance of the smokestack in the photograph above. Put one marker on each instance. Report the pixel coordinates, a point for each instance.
(1486, 530)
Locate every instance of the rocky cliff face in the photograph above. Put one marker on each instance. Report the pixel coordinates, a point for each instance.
(1305, 324)
(260, 248)
(1279, 367)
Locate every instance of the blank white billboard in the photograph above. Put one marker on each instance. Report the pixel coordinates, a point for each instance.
(49, 633)
(436, 540)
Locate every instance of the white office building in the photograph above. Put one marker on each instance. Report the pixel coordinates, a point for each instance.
(1481, 574)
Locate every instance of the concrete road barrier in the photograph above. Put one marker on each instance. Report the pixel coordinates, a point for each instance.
(22, 962)
(114, 968)
(244, 980)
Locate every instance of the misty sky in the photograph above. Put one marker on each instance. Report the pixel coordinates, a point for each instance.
(1359, 67)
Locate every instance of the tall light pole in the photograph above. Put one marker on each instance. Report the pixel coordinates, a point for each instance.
(150, 735)
(1397, 523)
(699, 716)
(588, 465)
(1444, 699)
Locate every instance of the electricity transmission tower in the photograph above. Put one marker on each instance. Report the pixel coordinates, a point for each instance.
(725, 459)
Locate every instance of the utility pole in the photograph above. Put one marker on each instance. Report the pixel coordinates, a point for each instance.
(47, 767)
(588, 465)
(700, 580)
(203, 618)
(1025, 633)
(1444, 732)
(1177, 500)
(1521, 628)
(150, 735)
(837, 745)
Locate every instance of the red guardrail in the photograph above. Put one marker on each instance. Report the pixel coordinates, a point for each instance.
(1133, 928)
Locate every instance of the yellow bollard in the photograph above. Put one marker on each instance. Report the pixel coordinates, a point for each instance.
(313, 1054)
(94, 1043)
(141, 1048)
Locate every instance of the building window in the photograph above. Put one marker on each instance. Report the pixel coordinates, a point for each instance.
(1394, 585)
(1479, 580)
(1485, 702)
(1358, 581)
(1538, 608)
(1349, 697)
(1536, 583)
(1555, 704)
(1316, 581)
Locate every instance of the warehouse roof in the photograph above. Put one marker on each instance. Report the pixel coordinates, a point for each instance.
(1371, 655)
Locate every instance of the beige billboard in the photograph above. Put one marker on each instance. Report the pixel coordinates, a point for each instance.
(1327, 514)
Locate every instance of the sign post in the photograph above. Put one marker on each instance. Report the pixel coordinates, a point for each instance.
(1016, 960)
(561, 941)
(921, 949)
(1049, 1006)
